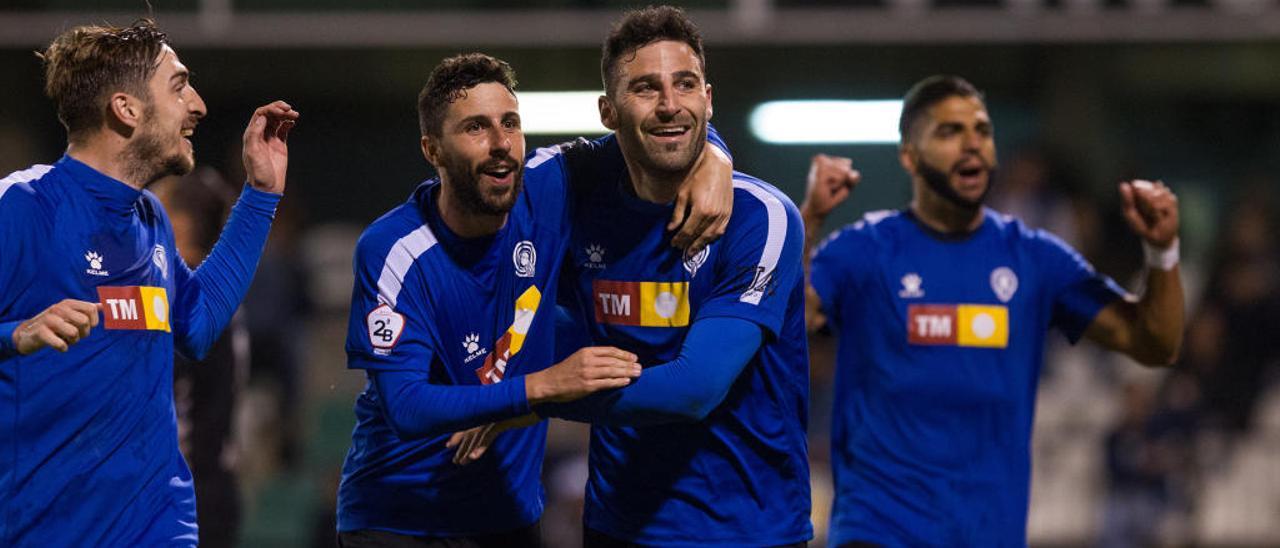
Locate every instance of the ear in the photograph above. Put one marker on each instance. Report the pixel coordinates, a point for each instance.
(125, 109)
(608, 116)
(907, 157)
(430, 150)
(709, 109)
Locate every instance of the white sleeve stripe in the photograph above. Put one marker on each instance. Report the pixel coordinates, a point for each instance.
(30, 174)
(774, 240)
(401, 257)
(542, 155)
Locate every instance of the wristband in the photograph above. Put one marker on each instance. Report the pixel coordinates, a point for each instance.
(1160, 259)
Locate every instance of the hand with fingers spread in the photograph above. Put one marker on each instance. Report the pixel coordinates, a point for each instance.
(588, 370)
(704, 202)
(266, 146)
(57, 327)
(1151, 210)
(472, 443)
(831, 180)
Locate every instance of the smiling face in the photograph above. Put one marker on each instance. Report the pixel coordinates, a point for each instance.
(659, 107)
(952, 149)
(160, 145)
(479, 149)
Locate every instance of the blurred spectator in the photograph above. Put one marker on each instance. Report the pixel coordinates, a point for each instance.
(1149, 465)
(1232, 340)
(205, 392)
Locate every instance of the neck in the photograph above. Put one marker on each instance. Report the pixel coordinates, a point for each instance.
(941, 214)
(659, 188)
(462, 221)
(106, 156)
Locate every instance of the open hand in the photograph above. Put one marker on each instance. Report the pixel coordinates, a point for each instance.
(266, 146)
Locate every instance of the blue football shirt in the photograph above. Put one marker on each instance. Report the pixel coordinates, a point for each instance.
(941, 342)
(740, 476)
(470, 314)
(88, 438)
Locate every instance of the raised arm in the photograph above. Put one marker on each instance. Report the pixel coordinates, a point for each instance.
(207, 297)
(831, 181)
(1148, 328)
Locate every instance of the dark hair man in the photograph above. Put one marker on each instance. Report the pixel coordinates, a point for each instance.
(941, 310)
(89, 449)
(708, 446)
(453, 317)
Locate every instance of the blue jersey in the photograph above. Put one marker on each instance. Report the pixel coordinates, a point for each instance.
(941, 341)
(88, 439)
(740, 476)
(474, 315)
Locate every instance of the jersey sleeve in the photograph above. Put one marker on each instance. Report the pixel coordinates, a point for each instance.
(208, 296)
(389, 328)
(833, 270)
(1076, 291)
(17, 229)
(758, 260)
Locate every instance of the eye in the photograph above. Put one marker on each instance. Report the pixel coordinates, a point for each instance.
(472, 127)
(687, 84)
(511, 123)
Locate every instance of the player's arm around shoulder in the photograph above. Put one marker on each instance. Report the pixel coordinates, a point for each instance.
(1148, 328)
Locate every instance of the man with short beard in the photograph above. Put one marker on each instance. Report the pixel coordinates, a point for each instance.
(941, 311)
(453, 319)
(88, 441)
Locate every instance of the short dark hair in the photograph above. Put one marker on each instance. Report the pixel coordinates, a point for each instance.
(85, 65)
(639, 28)
(929, 92)
(450, 81)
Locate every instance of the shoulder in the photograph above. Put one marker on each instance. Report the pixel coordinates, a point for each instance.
(874, 229)
(400, 235)
(23, 194)
(756, 202)
(1016, 232)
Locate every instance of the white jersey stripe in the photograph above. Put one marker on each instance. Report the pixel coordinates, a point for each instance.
(30, 174)
(401, 257)
(774, 239)
(542, 155)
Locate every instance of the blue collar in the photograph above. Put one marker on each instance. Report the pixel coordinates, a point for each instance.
(116, 197)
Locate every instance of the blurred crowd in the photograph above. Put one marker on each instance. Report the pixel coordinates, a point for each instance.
(1124, 456)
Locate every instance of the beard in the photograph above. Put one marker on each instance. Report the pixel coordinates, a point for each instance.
(940, 182)
(672, 158)
(151, 155)
(464, 181)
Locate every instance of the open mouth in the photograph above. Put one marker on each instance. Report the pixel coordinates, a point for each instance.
(668, 133)
(971, 172)
(502, 173)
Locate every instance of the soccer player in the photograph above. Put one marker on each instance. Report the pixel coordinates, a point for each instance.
(453, 317)
(941, 310)
(708, 446)
(88, 442)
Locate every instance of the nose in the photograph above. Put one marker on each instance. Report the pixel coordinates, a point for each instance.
(972, 141)
(196, 103)
(667, 107)
(499, 142)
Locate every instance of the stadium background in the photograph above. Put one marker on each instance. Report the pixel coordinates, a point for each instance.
(1083, 93)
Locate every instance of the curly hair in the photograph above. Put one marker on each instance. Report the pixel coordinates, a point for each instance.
(85, 65)
(450, 81)
(639, 28)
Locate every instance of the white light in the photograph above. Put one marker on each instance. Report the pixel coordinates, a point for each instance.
(827, 122)
(560, 113)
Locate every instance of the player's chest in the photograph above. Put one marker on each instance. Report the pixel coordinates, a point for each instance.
(982, 301)
(644, 283)
(128, 270)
